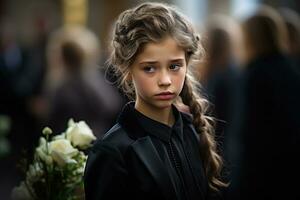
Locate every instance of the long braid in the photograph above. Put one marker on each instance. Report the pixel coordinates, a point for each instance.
(204, 126)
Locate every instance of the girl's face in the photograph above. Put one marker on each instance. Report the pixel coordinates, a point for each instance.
(158, 74)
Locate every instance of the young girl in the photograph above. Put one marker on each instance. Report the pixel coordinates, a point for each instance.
(155, 151)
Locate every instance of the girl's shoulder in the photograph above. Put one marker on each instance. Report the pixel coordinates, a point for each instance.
(186, 117)
(187, 120)
(116, 138)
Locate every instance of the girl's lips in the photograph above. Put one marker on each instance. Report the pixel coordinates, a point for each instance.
(165, 96)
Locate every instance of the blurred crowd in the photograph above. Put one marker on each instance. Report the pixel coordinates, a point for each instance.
(251, 76)
(47, 84)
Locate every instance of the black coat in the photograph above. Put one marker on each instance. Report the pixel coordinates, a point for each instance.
(132, 161)
(270, 133)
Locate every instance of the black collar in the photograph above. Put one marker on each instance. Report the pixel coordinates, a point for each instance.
(138, 125)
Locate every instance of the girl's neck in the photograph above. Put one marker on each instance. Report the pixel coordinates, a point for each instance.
(162, 115)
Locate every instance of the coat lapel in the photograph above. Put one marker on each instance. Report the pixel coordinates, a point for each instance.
(147, 153)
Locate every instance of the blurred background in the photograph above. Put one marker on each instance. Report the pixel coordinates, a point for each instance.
(52, 68)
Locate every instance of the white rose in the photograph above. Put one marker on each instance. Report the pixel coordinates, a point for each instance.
(42, 151)
(58, 137)
(34, 173)
(21, 193)
(80, 134)
(62, 151)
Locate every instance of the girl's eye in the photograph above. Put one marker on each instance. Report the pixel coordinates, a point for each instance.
(149, 69)
(175, 66)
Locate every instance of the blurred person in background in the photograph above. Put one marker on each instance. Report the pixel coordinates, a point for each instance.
(292, 19)
(76, 87)
(19, 77)
(220, 71)
(270, 125)
(219, 75)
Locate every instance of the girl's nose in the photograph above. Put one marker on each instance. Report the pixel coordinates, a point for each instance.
(164, 79)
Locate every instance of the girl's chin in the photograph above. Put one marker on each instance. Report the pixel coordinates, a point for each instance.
(164, 104)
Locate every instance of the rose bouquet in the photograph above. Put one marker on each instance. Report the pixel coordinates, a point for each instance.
(58, 165)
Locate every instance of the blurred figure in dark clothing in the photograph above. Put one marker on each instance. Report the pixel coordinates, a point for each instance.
(80, 91)
(220, 71)
(292, 21)
(17, 77)
(270, 126)
(219, 76)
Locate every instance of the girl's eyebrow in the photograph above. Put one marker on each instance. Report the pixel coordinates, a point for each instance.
(154, 62)
(177, 60)
(148, 62)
